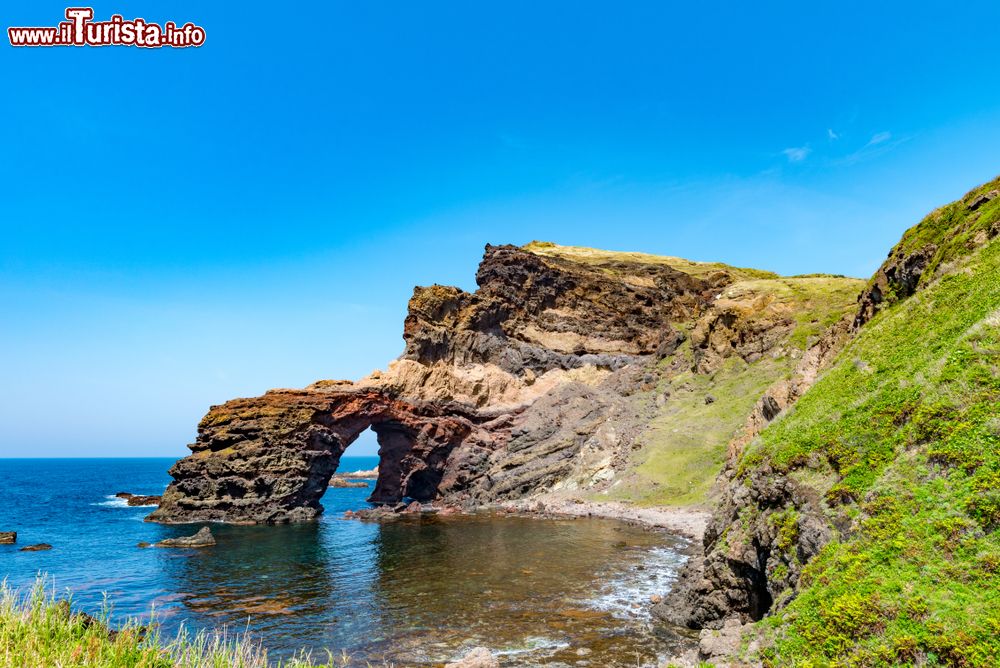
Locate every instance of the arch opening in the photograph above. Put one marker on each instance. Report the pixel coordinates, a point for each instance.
(395, 481)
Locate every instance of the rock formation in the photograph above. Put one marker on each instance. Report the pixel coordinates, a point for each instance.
(544, 376)
(341, 482)
(8, 537)
(136, 500)
(203, 538)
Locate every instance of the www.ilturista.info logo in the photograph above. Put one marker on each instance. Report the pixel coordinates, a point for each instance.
(81, 30)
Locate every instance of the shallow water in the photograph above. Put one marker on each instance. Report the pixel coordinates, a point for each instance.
(417, 591)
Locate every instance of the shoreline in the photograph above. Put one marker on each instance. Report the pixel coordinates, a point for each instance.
(688, 522)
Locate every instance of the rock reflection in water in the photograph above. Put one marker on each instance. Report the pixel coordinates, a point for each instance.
(420, 590)
(294, 585)
(530, 589)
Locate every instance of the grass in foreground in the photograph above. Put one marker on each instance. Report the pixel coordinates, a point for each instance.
(38, 630)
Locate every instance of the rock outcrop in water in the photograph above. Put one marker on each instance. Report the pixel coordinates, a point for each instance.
(134, 500)
(544, 376)
(203, 538)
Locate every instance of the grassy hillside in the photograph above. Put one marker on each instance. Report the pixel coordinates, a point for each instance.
(684, 445)
(953, 229)
(902, 440)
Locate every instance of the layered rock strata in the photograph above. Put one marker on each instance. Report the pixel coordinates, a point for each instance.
(499, 393)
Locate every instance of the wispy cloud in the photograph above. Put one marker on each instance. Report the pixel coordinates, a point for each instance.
(797, 154)
(880, 143)
(831, 135)
(879, 138)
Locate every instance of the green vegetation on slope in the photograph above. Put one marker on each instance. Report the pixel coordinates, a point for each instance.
(953, 230)
(685, 443)
(902, 437)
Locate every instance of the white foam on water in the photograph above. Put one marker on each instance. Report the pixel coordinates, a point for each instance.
(626, 593)
(113, 502)
(534, 644)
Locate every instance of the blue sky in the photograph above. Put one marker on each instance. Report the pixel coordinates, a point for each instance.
(180, 227)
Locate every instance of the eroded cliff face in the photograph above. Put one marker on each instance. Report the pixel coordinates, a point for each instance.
(547, 376)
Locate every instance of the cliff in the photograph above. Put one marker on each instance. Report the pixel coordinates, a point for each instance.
(563, 371)
(855, 426)
(861, 525)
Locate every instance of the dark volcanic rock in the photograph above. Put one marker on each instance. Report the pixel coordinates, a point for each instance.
(270, 459)
(896, 279)
(40, 547)
(63, 611)
(538, 313)
(135, 500)
(8, 537)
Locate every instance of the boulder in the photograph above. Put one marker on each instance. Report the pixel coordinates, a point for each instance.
(8, 537)
(203, 538)
(40, 547)
(480, 657)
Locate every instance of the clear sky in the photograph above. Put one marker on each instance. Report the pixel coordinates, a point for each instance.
(180, 227)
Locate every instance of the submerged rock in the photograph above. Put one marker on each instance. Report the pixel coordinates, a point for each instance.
(480, 657)
(203, 538)
(8, 537)
(40, 547)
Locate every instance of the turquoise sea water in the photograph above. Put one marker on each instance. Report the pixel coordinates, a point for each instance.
(414, 592)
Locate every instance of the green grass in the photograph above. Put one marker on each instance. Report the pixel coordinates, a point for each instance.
(953, 230)
(902, 438)
(36, 629)
(684, 445)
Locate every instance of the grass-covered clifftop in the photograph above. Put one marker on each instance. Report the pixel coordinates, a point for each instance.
(608, 260)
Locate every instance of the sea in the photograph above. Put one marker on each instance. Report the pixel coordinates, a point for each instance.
(419, 591)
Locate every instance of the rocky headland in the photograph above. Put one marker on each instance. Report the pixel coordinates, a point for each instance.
(831, 443)
(550, 376)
